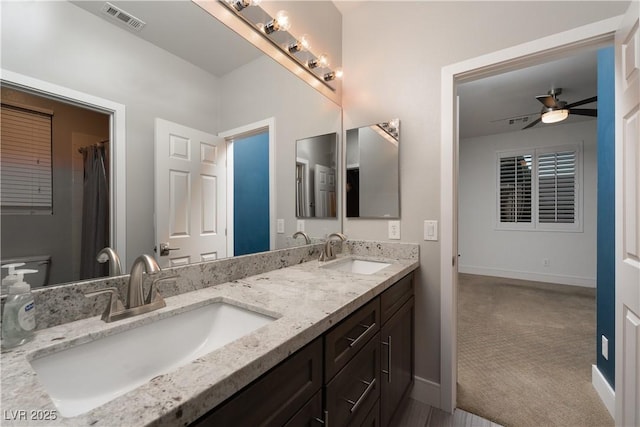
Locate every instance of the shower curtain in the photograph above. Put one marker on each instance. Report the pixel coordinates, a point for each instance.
(95, 212)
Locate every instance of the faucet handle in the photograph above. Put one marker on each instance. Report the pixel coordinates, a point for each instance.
(154, 295)
(114, 306)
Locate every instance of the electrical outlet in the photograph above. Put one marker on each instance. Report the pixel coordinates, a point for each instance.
(280, 226)
(300, 225)
(394, 230)
(545, 262)
(605, 347)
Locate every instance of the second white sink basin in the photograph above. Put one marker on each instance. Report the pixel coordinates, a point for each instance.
(86, 376)
(358, 266)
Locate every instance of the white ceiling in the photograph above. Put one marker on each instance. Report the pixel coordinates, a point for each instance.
(486, 105)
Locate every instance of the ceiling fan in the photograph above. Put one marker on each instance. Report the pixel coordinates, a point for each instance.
(554, 110)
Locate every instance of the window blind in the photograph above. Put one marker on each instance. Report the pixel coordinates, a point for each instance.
(557, 187)
(515, 189)
(25, 161)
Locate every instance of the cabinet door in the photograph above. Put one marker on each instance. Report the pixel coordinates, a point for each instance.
(355, 389)
(276, 396)
(397, 360)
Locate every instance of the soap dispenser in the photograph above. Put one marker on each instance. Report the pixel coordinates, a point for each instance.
(11, 277)
(18, 316)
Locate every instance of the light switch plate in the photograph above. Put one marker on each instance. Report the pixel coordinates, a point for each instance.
(300, 225)
(280, 226)
(394, 230)
(431, 230)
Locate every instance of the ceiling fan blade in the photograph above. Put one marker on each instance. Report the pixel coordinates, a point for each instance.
(547, 100)
(584, 101)
(584, 111)
(532, 124)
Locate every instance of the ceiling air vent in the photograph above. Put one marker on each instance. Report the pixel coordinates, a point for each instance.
(118, 14)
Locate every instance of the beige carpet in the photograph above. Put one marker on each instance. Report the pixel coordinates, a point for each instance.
(525, 352)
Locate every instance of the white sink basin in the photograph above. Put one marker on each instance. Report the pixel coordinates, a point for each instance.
(358, 266)
(86, 376)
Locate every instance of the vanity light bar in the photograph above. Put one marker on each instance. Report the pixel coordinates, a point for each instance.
(317, 66)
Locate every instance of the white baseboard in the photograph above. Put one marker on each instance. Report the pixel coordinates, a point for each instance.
(603, 389)
(426, 392)
(589, 282)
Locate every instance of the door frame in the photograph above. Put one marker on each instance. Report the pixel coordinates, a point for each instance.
(117, 131)
(268, 125)
(524, 55)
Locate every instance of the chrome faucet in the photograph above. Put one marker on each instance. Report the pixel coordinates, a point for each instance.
(108, 254)
(136, 303)
(303, 234)
(327, 253)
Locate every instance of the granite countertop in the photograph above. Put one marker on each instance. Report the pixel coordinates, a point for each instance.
(306, 299)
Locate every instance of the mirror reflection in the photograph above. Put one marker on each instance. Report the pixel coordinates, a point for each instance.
(372, 172)
(316, 178)
(160, 72)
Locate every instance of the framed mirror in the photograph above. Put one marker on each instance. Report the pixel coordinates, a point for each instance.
(316, 176)
(372, 171)
(166, 76)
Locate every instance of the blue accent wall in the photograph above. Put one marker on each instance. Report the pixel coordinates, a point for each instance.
(606, 276)
(251, 194)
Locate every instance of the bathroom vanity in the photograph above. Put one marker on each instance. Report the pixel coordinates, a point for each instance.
(336, 344)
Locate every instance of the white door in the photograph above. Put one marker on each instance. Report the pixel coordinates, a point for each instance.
(190, 195)
(627, 47)
(324, 191)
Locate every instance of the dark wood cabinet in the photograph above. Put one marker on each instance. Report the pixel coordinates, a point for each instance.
(397, 360)
(274, 398)
(356, 374)
(349, 336)
(351, 394)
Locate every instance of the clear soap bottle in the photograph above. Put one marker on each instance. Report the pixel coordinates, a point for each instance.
(11, 277)
(19, 314)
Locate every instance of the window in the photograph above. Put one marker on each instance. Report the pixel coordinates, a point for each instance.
(539, 189)
(25, 161)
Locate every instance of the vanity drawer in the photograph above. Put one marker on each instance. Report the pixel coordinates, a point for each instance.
(394, 297)
(345, 340)
(356, 388)
(274, 398)
(310, 413)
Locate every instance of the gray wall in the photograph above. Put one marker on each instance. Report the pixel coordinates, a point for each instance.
(396, 73)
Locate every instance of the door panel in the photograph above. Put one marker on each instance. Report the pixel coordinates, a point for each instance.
(627, 47)
(190, 194)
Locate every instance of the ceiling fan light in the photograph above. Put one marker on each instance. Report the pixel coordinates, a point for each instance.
(554, 116)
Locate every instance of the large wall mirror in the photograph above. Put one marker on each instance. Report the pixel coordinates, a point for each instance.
(372, 171)
(316, 176)
(185, 67)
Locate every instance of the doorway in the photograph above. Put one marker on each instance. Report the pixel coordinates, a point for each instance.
(62, 215)
(251, 206)
(589, 36)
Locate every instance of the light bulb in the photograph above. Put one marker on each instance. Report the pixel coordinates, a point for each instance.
(339, 73)
(280, 23)
(554, 116)
(300, 44)
(323, 60)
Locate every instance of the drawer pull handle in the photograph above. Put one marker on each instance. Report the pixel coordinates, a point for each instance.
(324, 422)
(388, 371)
(355, 341)
(370, 386)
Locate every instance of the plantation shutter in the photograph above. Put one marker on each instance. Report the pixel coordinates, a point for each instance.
(557, 187)
(515, 189)
(25, 161)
